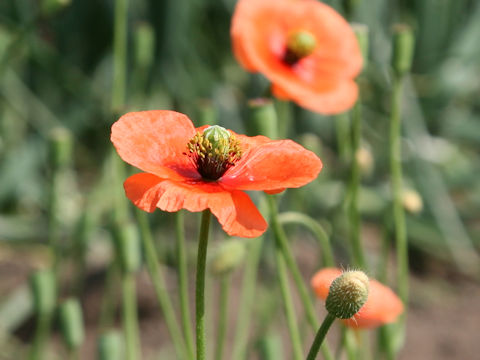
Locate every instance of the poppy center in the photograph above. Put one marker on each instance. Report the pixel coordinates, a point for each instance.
(300, 44)
(214, 151)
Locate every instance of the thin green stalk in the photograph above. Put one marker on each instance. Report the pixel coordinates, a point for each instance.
(396, 183)
(42, 332)
(343, 136)
(322, 331)
(282, 243)
(292, 217)
(222, 316)
(200, 284)
(354, 187)
(158, 281)
(183, 284)
(107, 308)
(119, 54)
(130, 318)
(288, 303)
(246, 299)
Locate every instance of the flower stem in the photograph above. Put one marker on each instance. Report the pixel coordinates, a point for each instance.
(292, 217)
(130, 318)
(119, 54)
(396, 183)
(322, 331)
(200, 284)
(289, 310)
(353, 213)
(246, 299)
(183, 284)
(282, 244)
(42, 332)
(159, 285)
(343, 136)
(222, 316)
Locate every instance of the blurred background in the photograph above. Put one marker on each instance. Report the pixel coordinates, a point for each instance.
(57, 87)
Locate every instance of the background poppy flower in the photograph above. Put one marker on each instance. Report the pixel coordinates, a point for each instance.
(382, 306)
(304, 47)
(157, 143)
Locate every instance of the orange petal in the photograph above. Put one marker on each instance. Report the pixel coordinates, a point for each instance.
(234, 210)
(155, 142)
(382, 306)
(273, 165)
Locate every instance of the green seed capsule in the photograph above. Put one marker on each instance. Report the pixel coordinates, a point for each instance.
(403, 47)
(127, 245)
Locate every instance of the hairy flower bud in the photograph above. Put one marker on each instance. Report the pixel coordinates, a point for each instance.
(347, 294)
(227, 257)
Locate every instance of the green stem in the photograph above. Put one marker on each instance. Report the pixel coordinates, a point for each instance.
(42, 333)
(282, 243)
(353, 212)
(222, 316)
(119, 54)
(343, 137)
(396, 183)
(322, 331)
(130, 318)
(288, 303)
(159, 285)
(109, 297)
(246, 299)
(183, 284)
(292, 217)
(200, 284)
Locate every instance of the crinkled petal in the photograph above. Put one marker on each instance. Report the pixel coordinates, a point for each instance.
(234, 210)
(274, 165)
(155, 142)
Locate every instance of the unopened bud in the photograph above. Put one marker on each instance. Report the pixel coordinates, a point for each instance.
(128, 246)
(403, 47)
(60, 142)
(49, 7)
(361, 32)
(144, 44)
(71, 322)
(412, 201)
(110, 346)
(347, 294)
(227, 257)
(364, 158)
(262, 118)
(44, 291)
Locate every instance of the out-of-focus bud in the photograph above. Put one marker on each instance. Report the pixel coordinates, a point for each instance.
(71, 323)
(412, 201)
(365, 160)
(127, 245)
(44, 291)
(227, 257)
(60, 147)
(144, 44)
(311, 142)
(347, 294)
(262, 118)
(361, 32)
(403, 47)
(207, 114)
(50, 7)
(110, 346)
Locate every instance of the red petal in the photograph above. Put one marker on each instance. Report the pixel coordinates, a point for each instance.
(154, 141)
(273, 165)
(234, 210)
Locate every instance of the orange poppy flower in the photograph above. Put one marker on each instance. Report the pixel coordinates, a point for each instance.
(208, 167)
(304, 47)
(382, 306)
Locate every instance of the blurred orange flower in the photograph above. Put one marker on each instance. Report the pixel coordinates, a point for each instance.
(304, 47)
(208, 167)
(382, 306)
